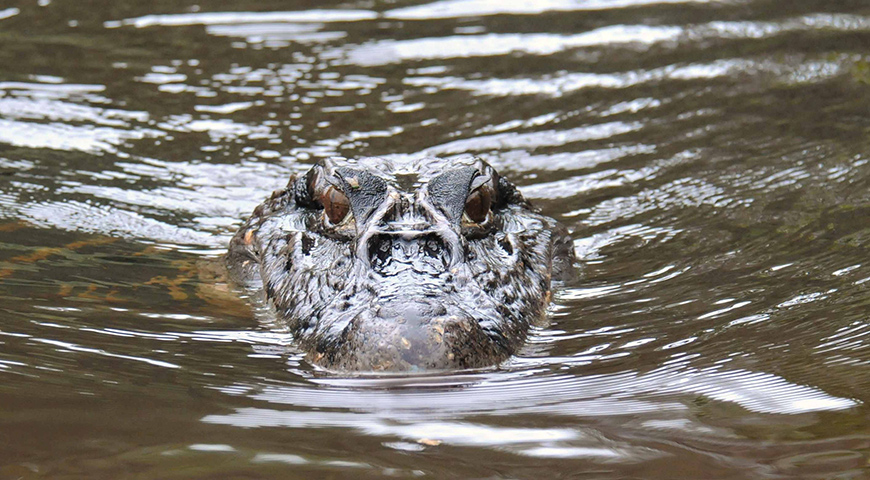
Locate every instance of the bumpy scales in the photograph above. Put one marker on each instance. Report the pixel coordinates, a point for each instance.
(376, 265)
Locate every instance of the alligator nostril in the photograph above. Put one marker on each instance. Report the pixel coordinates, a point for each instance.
(379, 250)
(425, 251)
(433, 247)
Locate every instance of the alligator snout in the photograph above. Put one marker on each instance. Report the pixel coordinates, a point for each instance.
(422, 252)
(412, 335)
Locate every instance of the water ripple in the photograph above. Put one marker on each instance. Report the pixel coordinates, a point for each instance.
(475, 8)
(223, 18)
(708, 158)
(464, 46)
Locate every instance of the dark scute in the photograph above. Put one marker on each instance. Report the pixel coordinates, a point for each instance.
(302, 194)
(449, 190)
(307, 244)
(365, 191)
(505, 244)
(508, 194)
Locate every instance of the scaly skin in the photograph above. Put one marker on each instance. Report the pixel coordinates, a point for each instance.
(406, 282)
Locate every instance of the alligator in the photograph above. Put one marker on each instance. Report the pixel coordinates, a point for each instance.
(411, 265)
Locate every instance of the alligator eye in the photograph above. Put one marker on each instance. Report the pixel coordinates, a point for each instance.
(335, 204)
(477, 204)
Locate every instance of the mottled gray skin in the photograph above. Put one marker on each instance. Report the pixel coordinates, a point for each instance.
(407, 282)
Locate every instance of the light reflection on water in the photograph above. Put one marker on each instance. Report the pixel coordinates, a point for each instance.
(709, 159)
(473, 8)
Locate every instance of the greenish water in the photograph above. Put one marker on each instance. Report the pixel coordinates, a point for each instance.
(709, 157)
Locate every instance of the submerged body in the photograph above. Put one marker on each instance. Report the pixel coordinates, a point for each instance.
(373, 265)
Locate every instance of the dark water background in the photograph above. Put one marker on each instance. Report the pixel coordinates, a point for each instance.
(709, 157)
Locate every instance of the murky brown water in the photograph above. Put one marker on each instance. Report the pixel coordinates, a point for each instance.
(710, 158)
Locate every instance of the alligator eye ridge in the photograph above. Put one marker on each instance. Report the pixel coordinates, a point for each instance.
(335, 205)
(478, 203)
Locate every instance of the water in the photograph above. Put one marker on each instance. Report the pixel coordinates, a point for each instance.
(709, 157)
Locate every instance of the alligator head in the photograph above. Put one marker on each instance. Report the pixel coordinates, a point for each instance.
(380, 265)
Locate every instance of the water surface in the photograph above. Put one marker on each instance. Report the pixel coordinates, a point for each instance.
(709, 157)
